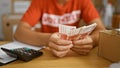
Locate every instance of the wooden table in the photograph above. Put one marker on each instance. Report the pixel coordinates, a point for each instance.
(72, 60)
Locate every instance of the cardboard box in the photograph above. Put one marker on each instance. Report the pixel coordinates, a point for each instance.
(8, 21)
(109, 45)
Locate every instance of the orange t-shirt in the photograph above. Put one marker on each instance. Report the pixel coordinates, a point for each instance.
(50, 13)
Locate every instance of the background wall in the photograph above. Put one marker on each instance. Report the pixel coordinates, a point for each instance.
(5, 7)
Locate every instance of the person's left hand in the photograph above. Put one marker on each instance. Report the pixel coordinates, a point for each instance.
(83, 46)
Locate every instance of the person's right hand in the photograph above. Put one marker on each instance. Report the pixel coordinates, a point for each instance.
(58, 46)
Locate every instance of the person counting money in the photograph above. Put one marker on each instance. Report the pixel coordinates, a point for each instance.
(52, 13)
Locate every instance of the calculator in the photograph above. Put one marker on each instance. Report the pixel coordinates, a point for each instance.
(24, 54)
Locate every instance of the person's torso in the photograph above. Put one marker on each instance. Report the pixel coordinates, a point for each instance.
(54, 14)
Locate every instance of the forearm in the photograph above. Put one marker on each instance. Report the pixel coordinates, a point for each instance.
(26, 35)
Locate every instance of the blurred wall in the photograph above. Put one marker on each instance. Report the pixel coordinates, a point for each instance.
(5, 7)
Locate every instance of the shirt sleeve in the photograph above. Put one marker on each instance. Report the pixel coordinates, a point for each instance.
(89, 12)
(33, 14)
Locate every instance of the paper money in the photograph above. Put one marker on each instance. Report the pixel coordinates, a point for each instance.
(73, 33)
(64, 30)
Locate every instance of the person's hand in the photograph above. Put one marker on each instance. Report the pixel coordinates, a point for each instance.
(58, 46)
(83, 46)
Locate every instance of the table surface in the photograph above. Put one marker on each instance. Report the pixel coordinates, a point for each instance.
(72, 60)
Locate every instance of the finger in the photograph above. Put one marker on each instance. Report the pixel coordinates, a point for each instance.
(83, 46)
(60, 53)
(80, 52)
(56, 39)
(84, 41)
(60, 47)
(63, 42)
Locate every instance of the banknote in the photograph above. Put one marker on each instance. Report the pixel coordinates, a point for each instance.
(73, 33)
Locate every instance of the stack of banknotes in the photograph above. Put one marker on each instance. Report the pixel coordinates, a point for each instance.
(73, 33)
